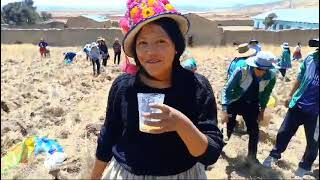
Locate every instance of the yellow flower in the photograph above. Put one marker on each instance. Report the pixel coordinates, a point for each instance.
(147, 12)
(151, 2)
(134, 11)
(143, 5)
(169, 7)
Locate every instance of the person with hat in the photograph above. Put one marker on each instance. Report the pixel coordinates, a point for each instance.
(117, 51)
(297, 53)
(247, 93)
(185, 138)
(87, 49)
(303, 104)
(285, 60)
(254, 44)
(95, 57)
(43, 47)
(103, 50)
(242, 54)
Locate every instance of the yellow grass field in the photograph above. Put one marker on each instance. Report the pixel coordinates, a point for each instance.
(65, 102)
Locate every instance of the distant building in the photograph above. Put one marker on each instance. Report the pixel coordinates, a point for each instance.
(210, 35)
(88, 21)
(306, 18)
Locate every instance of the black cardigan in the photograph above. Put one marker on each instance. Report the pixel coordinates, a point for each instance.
(158, 154)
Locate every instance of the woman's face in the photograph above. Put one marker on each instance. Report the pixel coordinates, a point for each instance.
(155, 51)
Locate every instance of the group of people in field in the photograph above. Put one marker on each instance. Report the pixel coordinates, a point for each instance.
(251, 78)
(96, 52)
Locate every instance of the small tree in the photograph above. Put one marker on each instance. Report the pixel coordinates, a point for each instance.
(20, 13)
(269, 20)
(45, 15)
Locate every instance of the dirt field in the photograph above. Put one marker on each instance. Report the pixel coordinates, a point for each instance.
(47, 97)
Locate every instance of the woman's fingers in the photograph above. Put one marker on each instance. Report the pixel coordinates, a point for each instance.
(164, 108)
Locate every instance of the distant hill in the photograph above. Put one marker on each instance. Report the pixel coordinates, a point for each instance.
(249, 11)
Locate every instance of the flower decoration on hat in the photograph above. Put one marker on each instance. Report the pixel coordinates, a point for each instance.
(140, 10)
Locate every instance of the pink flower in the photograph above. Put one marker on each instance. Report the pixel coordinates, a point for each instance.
(158, 9)
(138, 17)
(132, 5)
(165, 2)
(124, 24)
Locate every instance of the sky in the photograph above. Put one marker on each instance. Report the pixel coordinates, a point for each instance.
(120, 4)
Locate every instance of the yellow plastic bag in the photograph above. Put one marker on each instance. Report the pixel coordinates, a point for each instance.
(272, 103)
(20, 153)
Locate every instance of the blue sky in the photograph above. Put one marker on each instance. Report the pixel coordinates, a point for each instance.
(120, 4)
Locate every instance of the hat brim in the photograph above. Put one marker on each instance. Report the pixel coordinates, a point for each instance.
(181, 20)
(251, 62)
(249, 53)
(253, 41)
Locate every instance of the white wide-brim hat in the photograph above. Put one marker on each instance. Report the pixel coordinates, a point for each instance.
(263, 60)
(285, 45)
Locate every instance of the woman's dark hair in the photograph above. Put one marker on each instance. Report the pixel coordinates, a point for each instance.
(172, 29)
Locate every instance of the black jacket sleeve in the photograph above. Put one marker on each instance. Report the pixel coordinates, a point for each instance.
(113, 126)
(207, 121)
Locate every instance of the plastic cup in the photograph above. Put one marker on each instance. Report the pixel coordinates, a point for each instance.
(144, 100)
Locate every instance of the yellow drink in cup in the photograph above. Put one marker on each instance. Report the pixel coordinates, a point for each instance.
(144, 99)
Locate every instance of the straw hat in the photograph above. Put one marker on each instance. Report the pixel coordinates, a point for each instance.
(263, 60)
(243, 50)
(140, 13)
(100, 39)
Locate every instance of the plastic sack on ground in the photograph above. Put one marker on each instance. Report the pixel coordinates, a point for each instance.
(20, 153)
(47, 145)
(30, 147)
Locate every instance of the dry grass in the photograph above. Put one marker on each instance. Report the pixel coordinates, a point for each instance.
(49, 89)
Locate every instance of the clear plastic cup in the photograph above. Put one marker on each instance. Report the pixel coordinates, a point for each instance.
(144, 100)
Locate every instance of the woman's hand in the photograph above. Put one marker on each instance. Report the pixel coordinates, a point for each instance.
(169, 119)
